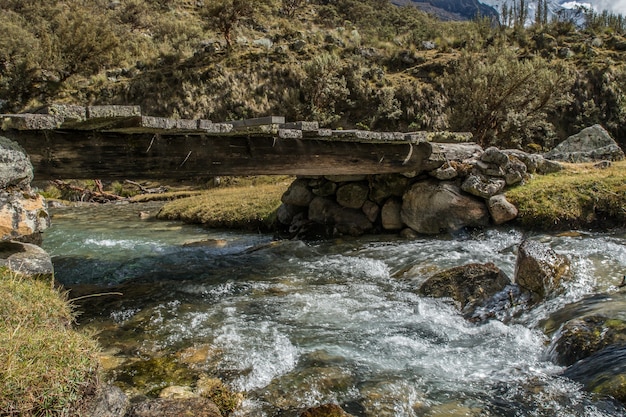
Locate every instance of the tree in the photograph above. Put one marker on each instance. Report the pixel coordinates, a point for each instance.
(226, 15)
(506, 100)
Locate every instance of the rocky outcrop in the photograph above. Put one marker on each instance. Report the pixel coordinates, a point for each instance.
(539, 269)
(469, 285)
(591, 144)
(23, 213)
(461, 186)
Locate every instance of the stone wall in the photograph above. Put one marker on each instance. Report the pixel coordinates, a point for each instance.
(461, 186)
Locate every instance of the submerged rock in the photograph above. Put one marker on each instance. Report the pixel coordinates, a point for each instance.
(539, 269)
(602, 373)
(469, 285)
(192, 407)
(327, 410)
(583, 337)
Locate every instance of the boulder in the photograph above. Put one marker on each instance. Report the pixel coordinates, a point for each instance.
(602, 373)
(110, 401)
(535, 163)
(344, 220)
(444, 173)
(23, 216)
(286, 213)
(387, 185)
(371, 210)
(483, 186)
(583, 337)
(493, 155)
(15, 167)
(539, 269)
(501, 209)
(298, 193)
(352, 195)
(469, 285)
(26, 259)
(324, 188)
(390, 214)
(432, 207)
(161, 407)
(326, 410)
(590, 144)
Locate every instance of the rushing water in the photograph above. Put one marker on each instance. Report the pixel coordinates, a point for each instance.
(294, 324)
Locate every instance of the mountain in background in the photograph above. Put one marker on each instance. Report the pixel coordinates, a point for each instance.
(452, 9)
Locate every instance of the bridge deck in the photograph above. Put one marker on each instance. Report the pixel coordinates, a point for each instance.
(118, 142)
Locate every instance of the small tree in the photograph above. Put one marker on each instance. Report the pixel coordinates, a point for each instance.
(226, 15)
(506, 100)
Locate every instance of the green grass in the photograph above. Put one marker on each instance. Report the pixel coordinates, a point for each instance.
(46, 368)
(250, 207)
(579, 196)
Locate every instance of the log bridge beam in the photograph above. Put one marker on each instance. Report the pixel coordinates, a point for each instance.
(118, 142)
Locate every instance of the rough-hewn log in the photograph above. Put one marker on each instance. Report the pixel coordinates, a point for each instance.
(108, 155)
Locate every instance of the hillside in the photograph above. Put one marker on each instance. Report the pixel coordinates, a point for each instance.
(348, 63)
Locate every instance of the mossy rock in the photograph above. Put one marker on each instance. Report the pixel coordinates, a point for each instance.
(581, 338)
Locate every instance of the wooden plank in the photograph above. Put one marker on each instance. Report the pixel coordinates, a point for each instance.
(66, 155)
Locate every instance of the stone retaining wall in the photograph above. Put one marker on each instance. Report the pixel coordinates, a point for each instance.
(462, 186)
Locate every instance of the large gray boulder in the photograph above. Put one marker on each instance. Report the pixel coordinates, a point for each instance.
(26, 259)
(432, 207)
(590, 144)
(16, 171)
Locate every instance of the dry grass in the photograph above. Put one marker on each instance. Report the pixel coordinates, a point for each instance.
(46, 368)
(251, 207)
(579, 196)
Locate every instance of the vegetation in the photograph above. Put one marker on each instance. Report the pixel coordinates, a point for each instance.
(46, 368)
(250, 207)
(579, 196)
(346, 63)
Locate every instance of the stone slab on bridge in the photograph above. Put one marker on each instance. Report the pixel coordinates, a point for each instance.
(119, 142)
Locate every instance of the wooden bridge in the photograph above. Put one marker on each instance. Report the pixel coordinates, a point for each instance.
(119, 142)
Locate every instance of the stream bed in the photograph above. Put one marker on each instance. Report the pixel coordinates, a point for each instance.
(293, 324)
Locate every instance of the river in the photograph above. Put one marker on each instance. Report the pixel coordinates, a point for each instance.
(293, 324)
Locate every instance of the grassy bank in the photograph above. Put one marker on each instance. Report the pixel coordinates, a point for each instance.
(248, 207)
(580, 196)
(46, 368)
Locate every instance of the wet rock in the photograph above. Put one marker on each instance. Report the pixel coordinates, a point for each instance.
(326, 410)
(23, 216)
(501, 209)
(390, 215)
(483, 186)
(503, 305)
(583, 337)
(26, 259)
(352, 195)
(110, 401)
(176, 392)
(343, 220)
(469, 285)
(192, 407)
(602, 373)
(298, 193)
(223, 397)
(539, 269)
(432, 207)
(15, 167)
(387, 185)
(591, 144)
